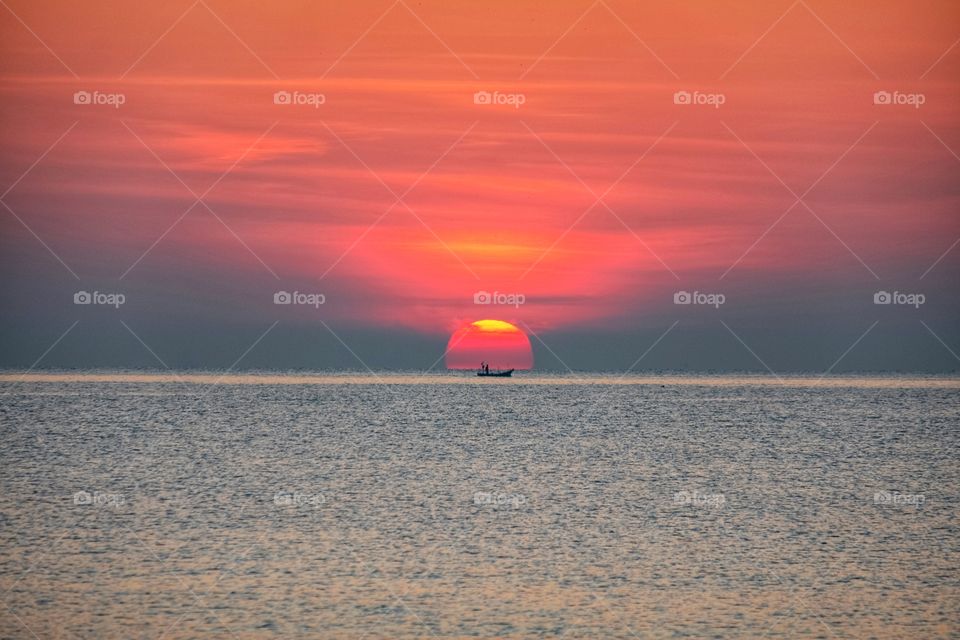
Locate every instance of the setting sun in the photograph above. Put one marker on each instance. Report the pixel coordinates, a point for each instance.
(500, 344)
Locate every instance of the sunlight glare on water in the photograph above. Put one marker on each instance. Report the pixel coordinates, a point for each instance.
(334, 505)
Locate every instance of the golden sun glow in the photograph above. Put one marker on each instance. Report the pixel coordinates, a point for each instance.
(495, 325)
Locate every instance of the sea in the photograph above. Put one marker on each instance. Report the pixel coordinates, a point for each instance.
(405, 505)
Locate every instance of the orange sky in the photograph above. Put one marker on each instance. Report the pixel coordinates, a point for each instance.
(500, 198)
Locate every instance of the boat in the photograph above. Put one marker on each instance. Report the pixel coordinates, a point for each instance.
(506, 373)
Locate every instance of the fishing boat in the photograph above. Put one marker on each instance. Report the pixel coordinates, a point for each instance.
(506, 373)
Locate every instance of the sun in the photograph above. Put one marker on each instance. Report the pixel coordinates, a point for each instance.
(500, 344)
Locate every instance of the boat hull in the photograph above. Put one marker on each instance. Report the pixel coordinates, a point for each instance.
(495, 374)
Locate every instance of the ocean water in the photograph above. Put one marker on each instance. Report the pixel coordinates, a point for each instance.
(405, 506)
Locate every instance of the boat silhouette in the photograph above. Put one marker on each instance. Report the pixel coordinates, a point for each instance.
(506, 373)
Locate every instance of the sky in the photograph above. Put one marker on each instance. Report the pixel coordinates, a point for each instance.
(693, 185)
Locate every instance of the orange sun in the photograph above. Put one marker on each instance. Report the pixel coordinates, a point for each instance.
(498, 343)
